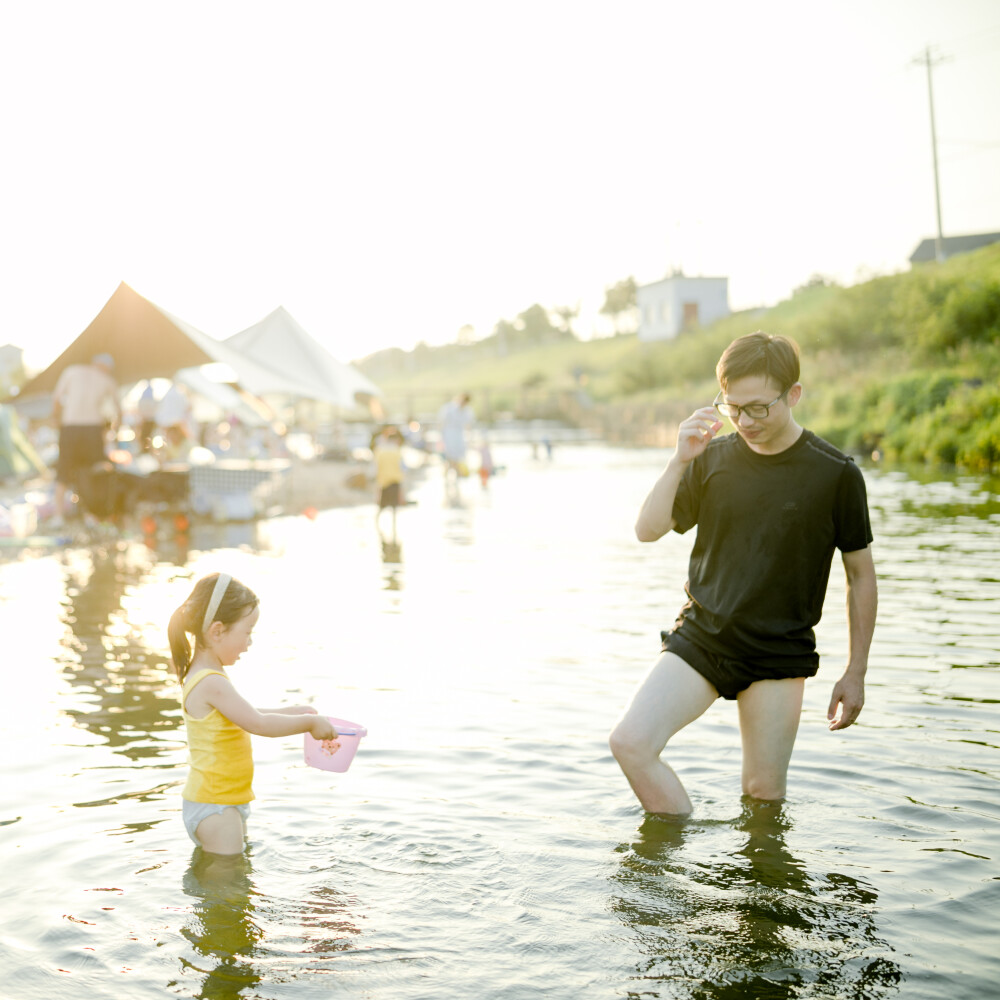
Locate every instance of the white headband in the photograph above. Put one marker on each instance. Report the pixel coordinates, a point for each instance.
(221, 586)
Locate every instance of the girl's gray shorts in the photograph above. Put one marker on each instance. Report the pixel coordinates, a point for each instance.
(195, 812)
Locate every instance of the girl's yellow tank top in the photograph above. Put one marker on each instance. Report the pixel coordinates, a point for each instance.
(388, 465)
(219, 754)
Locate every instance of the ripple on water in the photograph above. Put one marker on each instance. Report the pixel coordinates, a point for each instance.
(484, 843)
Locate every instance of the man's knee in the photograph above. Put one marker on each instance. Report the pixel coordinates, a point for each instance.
(628, 747)
(617, 743)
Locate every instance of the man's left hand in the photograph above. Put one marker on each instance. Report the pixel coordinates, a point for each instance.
(849, 695)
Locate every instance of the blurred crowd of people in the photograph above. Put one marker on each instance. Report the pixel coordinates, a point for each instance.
(152, 426)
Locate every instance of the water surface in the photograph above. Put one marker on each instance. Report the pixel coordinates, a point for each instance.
(484, 843)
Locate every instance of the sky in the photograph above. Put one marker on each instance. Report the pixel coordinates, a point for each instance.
(391, 172)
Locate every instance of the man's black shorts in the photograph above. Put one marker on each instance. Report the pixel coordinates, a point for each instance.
(730, 677)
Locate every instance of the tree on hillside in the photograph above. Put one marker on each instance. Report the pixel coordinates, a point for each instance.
(536, 325)
(385, 363)
(531, 327)
(815, 281)
(620, 304)
(567, 314)
(505, 334)
(420, 356)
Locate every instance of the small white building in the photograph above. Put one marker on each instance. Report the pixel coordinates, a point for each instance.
(678, 303)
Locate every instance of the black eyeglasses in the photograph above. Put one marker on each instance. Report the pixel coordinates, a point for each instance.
(755, 411)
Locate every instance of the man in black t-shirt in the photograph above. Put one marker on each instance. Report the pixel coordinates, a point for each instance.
(771, 504)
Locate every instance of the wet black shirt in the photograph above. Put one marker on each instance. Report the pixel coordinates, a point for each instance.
(767, 529)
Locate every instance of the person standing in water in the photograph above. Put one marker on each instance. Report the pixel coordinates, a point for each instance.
(388, 454)
(84, 404)
(455, 417)
(771, 504)
(221, 613)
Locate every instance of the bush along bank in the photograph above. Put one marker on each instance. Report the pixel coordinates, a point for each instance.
(906, 366)
(903, 367)
(934, 417)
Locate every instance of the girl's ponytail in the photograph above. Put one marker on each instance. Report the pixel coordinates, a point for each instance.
(180, 648)
(233, 601)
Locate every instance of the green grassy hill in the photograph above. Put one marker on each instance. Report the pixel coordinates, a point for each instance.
(906, 365)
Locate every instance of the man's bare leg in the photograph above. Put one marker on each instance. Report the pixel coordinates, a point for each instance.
(673, 695)
(769, 719)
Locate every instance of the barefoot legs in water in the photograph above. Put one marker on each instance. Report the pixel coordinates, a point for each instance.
(674, 695)
(223, 833)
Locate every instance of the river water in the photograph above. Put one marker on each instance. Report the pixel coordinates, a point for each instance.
(483, 843)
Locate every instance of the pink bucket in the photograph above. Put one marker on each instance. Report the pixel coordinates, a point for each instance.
(334, 755)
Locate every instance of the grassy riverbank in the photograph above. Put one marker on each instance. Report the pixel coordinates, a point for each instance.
(906, 365)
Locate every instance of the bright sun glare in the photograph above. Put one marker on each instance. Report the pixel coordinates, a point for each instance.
(388, 181)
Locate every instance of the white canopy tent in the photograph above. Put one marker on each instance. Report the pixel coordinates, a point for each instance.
(282, 352)
(209, 399)
(224, 400)
(148, 342)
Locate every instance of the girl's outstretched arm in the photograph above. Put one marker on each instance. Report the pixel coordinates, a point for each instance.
(218, 692)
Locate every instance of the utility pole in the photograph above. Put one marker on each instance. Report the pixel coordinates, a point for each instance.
(929, 61)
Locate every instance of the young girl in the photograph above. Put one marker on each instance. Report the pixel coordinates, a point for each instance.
(387, 451)
(221, 613)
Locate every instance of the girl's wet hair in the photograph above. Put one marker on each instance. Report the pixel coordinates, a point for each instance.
(237, 602)
(774, 357)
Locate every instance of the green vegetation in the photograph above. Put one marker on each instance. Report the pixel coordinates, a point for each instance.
(906, 365)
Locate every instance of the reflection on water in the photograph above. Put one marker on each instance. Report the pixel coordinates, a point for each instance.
(119, 679)
(234, 944)
(328, 922)
(392, 557)
(484, 843)
(222, 928)
(749, 921)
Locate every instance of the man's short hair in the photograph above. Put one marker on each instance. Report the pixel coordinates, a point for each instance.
(759, 353)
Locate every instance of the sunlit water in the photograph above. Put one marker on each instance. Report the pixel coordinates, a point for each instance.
(483, 843)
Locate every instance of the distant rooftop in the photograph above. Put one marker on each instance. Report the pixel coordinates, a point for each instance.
(952, 245)
(679, 275)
